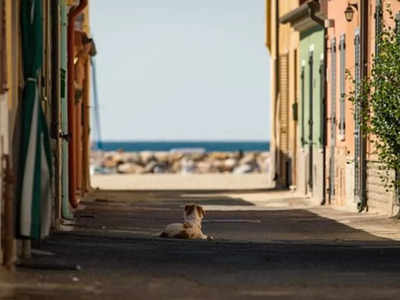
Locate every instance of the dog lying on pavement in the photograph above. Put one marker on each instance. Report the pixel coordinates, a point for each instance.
(191, 226)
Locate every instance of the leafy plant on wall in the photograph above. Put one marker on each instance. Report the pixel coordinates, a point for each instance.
(378, 95)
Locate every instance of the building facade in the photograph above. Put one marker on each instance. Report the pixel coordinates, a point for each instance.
(284, 104)
(36, 56)
(308, 20)
(334, 163)
(378, 196)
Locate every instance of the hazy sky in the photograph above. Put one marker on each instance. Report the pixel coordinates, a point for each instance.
(182, 69)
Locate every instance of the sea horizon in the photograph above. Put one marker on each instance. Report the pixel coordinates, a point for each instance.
(171, 145)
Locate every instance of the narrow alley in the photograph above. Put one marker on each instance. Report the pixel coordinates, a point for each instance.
(270, 244)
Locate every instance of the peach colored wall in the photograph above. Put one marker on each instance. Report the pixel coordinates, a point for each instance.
(344, 149)
(379, 197)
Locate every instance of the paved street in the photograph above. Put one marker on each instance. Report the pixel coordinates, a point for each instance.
(268, 245)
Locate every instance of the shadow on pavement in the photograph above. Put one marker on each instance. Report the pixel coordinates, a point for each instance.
(291, 252)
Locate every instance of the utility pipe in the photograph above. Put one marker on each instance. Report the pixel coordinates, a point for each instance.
(74, 12)
(362, 205)
(86, 129)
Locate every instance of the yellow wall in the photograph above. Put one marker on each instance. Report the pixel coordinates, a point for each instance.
(288, 41)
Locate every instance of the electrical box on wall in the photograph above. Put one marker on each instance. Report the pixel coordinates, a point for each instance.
(294, 111)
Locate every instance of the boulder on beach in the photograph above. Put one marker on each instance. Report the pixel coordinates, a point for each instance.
(243, 169)
(149, 167)
(130, 168)
(175, 167)
(146, 157)
(133, 157)
(248, 158)
(146, 162)
(175, 157)
(162, 156)
(218, 155)
(204, 167)
(218, 165)
(109, 162)
(230, 164)
(196, 156)
(263, 163)
(187, 166)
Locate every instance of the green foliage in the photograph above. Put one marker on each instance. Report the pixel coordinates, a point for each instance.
(379, 97)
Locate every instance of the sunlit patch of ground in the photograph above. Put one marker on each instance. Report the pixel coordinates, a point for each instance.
(181, 182)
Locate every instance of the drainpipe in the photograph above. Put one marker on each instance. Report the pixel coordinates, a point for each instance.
(321, 22)
(362, 205)
(86, 130)
(8, 186)
(74, 12)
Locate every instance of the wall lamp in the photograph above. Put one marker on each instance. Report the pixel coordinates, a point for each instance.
(349, 12)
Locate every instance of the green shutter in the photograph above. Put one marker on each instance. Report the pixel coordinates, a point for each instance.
(302, 123)
(397, 20)
(311, 117)
(321, 137)
(378, 23)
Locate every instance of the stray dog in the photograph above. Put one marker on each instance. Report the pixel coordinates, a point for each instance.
(191, 228)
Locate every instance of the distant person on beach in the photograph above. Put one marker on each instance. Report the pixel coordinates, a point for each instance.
(240, 154)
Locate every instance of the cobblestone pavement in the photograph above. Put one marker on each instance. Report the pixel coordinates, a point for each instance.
(268, 245)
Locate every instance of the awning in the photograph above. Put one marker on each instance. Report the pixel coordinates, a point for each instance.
(34, 199)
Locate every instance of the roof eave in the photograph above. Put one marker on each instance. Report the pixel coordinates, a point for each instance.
(301, 17)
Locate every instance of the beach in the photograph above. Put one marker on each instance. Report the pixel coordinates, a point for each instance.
(181, 182)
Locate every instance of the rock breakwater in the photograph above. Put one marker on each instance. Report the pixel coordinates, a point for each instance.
(147, 162)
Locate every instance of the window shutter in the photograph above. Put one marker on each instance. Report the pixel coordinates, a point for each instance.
(397, 20)
(378, 23)
(357, 127)
(333, 121)
(284, 102)
(342, 121)
(311, 118)
(322, 137)
(333, 92)
(311, 98)
(302, 124)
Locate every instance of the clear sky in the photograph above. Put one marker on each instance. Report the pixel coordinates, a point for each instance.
(182, 69)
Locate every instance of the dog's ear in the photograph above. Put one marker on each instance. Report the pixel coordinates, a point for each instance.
(200, 211)
(189, 209)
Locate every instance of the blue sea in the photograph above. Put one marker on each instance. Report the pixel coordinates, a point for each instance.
(207, 146)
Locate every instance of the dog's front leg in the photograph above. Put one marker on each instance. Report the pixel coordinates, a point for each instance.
(205, 237)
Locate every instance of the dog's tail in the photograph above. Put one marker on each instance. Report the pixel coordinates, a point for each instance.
(163, 234)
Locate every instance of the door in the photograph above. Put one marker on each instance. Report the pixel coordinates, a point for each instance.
(66, 210)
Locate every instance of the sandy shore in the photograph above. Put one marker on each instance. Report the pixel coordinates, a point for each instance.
(181, 182)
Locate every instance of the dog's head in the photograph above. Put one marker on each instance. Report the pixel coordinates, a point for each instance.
(193, 211)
